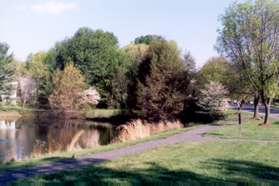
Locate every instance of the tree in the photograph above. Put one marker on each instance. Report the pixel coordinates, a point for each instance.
(37, 69)
(27, 89)
(190, 63)
(207, 104)
(249, 37)
(6, 69)
(161, 83)
(90, 96)
(148, 39)
(212, 98)
(68, 88)
(136, 53)
(97, 55)
(119, 83)
(217, 69)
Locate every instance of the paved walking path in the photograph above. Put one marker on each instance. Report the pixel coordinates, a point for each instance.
(195, 135)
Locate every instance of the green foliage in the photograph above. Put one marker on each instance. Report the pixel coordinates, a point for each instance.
(250, 38)
(245, 29)
(137, 52)
(158, 90)
(217, 69)
(102, 113)
(68, 86)
(37, 68)
(7, 69)
(117, 97)
(97, 55)
(148, 39)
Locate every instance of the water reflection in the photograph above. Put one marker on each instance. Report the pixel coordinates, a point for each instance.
(9, 125)
(32, 136)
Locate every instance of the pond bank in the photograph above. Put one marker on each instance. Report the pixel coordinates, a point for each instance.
(41, 134)
(54, 157)
(194, 135)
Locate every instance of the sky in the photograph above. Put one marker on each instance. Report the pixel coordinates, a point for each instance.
(30, 26)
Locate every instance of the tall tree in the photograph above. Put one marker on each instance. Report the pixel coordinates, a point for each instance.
(39, 71)
(217, 69)
(190, 63)
(6, 69)
(249, 37)
(97, 55)
(147, 39)
(161, 83)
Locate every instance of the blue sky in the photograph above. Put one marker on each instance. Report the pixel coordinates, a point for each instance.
(34, 25)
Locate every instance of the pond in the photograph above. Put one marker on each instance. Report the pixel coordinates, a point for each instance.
(34, 135)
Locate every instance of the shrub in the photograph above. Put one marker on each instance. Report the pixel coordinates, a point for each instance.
(68, 86)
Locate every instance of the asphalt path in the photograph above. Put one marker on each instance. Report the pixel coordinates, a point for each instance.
(274, 112)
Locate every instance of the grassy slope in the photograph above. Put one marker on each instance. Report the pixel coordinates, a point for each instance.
(220, 161)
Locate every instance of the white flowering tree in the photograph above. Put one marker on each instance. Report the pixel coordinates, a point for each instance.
(91, 96)
(213, 98)
(27, 89)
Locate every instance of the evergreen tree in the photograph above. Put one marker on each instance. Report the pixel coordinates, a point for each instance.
(161, 83)
(6, 69)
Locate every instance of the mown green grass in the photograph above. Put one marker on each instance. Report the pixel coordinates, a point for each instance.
(220, 162)
(250, 130)
(102, 113)
(211, 162)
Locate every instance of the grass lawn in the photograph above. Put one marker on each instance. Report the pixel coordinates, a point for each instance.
(250, 130)
(253, 161)
(15, 108)
(102, 113)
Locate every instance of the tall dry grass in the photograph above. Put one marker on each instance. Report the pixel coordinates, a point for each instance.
(138, 129)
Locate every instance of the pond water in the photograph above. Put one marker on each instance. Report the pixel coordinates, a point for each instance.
(32, 136)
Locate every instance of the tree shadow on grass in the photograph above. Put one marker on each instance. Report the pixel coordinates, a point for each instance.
(98, 175)
(154, 175)
(14, 165)
(249, 169)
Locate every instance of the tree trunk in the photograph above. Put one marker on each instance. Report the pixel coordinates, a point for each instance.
(240, 104)
(267, 111)
(256, 106)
